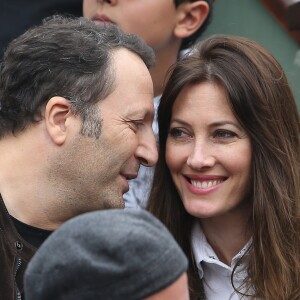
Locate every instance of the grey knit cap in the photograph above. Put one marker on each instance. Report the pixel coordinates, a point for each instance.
(108, 255)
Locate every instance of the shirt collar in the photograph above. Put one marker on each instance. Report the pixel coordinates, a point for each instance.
(204, 252)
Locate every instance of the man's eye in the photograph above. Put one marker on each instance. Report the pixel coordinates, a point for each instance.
(137, 123)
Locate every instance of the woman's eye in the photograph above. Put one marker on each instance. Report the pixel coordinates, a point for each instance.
(177, 133)
(224, 134)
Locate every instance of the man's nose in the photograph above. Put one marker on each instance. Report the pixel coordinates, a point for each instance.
(147, 149)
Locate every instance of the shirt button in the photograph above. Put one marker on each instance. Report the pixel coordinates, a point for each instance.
(18, 245)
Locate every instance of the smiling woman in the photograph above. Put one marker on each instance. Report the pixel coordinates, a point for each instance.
(208, 153)
(227, 179)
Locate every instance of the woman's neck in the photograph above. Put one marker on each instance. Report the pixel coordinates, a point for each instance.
(227, 234)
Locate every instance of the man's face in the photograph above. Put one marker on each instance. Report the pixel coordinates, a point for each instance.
(97, 170)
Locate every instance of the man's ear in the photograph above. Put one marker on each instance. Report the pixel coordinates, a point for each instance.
(57, 113)
(190, 17)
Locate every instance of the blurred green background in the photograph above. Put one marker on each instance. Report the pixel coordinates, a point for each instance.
(250, 18)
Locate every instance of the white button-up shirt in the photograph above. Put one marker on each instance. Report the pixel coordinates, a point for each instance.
(215, 274)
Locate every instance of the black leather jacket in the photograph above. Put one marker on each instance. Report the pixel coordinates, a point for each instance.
(15, 254)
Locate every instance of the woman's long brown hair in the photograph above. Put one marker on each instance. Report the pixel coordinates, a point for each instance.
(260, 98)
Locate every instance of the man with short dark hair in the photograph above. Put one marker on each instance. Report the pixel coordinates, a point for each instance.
(75, 124)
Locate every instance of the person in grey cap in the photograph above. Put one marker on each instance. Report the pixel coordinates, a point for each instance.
(108, 255)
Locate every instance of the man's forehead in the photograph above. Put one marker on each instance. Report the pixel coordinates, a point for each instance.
(131, 74)
(124, 57)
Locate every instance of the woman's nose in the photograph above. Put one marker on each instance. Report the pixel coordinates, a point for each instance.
(200, 157)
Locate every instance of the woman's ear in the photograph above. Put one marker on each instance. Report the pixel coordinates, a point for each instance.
(57, 112)
(190, 17)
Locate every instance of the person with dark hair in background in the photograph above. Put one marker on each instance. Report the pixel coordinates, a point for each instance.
(76, 112)
(167, 26)
(227, 178)
(91, 257)
(17, 16)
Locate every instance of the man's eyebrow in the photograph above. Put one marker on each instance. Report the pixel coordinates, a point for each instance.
(143, 114)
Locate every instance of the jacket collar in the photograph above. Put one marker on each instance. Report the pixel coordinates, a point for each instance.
(15, 241)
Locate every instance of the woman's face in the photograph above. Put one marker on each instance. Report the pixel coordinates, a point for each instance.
(208, 152)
